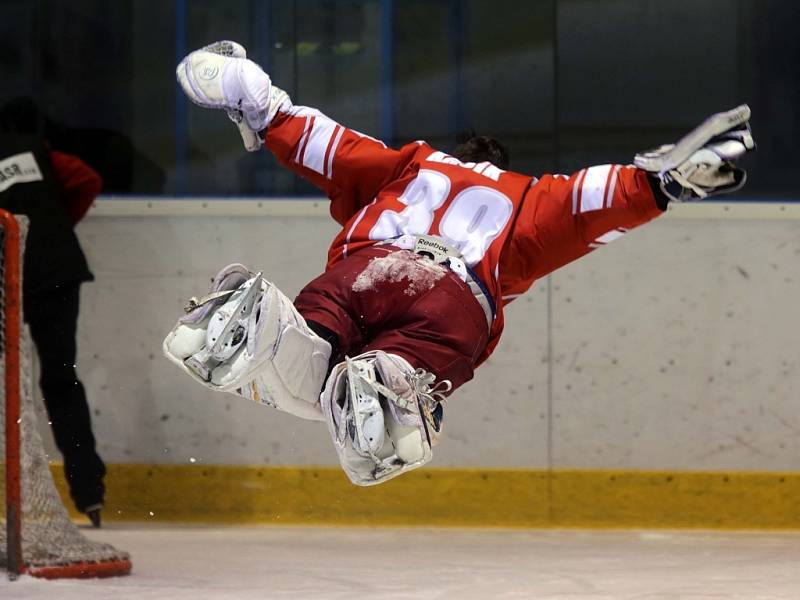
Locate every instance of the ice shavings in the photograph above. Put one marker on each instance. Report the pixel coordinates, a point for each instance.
(420, 272)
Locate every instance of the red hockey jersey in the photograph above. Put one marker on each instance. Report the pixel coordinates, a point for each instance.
(511, 228)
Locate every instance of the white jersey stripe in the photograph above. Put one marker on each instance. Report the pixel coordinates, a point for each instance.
(612, 186)
(609, 237)
(318, 139)
(302, 143)
(305, 140)
(354, 225)
(594, 188)
(332, 152)
(575, 188)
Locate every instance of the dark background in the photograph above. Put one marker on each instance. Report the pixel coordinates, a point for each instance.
(565, 83)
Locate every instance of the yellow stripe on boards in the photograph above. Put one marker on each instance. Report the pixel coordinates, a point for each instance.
(451, 497)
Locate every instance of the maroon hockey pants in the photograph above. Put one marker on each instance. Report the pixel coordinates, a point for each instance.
(435, 325)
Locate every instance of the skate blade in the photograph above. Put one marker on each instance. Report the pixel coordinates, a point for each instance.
(231, 325)
(713, 126)
(201, 364)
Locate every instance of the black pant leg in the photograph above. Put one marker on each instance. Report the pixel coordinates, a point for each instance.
(53, 320)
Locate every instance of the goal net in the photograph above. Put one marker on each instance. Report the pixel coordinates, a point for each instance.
(37, 536)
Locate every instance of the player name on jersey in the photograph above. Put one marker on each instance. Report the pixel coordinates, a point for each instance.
(486, 169)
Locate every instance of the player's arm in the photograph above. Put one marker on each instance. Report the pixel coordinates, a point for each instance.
(563, 218)
(349, 167)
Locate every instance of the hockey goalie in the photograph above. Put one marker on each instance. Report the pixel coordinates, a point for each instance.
(433, 246)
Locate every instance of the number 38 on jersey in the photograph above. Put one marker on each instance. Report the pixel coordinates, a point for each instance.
(472, 220)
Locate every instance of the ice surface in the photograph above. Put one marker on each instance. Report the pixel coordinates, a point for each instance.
(243, 563)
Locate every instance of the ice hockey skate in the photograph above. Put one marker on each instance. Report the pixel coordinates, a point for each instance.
(384, 416)
(245, 337)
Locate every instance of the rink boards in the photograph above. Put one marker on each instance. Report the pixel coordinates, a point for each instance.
(652, 383)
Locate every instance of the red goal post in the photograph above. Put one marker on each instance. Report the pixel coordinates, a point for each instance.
(11, 273)
(38, 538)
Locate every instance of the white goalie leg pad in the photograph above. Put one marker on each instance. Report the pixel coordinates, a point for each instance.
(384, 416)
(251, 341)
(702, 163)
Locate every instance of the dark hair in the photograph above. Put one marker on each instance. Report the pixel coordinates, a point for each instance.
(479, 148)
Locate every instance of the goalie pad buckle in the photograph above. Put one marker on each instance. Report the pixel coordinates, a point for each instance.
(384, 417)
(702, 163)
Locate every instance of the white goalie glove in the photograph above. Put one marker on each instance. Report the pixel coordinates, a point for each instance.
(383, 415)
(702, 163)
(246, 337)
(220, 76)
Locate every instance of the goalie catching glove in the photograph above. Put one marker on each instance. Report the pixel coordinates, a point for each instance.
(702, 163)
(384, 416)
(246, 337)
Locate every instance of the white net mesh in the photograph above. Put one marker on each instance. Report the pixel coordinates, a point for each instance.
(52, 545)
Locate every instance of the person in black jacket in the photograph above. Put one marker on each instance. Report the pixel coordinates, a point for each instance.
(55, 191)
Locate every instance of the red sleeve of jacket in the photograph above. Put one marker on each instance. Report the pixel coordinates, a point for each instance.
(79, 183)
(563, 218)
(348, 166)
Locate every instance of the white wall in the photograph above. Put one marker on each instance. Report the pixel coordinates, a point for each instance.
(673, 348)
